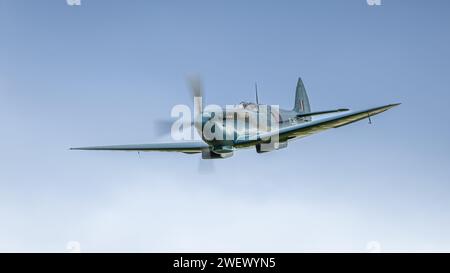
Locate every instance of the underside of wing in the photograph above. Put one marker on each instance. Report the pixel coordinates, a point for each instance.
(183, 147)
(308, 128)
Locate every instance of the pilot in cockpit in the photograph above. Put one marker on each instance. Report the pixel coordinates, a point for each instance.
(248, 106)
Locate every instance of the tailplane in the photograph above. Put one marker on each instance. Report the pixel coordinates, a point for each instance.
(301, 99)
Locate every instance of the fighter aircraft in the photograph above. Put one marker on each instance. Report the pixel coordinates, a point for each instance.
(285, 126)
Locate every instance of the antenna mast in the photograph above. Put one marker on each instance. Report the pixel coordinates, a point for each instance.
(256, 93)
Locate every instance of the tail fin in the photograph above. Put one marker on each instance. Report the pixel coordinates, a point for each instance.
(301, 99)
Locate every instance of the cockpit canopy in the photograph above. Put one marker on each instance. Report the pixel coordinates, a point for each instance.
(251, 106)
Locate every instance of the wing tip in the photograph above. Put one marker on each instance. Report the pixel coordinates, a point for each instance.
(392, 105)
(78, 148)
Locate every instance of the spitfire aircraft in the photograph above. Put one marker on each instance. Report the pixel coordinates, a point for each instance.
(224, 136)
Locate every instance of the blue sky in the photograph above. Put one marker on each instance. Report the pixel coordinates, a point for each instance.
(105, 71)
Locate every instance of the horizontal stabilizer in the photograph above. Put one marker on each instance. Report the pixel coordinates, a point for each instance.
(321, 113)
